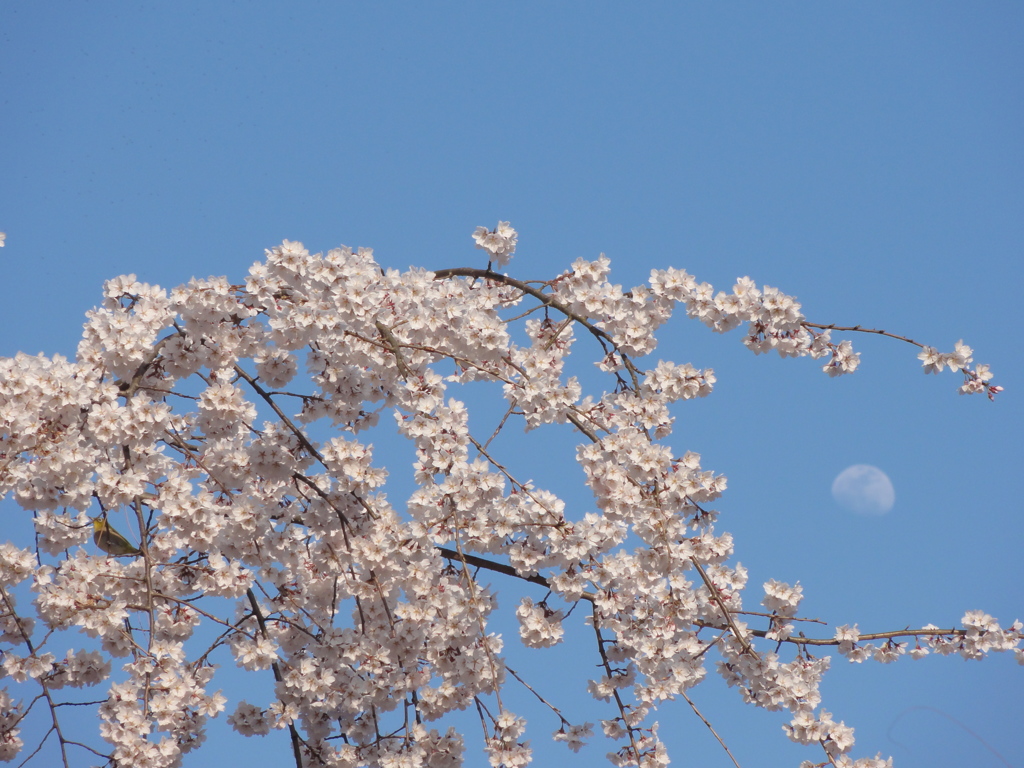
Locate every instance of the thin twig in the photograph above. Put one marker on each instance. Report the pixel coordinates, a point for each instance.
(542, 700)
(710, 728)
(861, 329)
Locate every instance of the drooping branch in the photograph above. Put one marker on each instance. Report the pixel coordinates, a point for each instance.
(278, 677)
(800, 640)
(710, 727)
(550, 301)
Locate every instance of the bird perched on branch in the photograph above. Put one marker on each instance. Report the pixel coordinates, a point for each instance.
(110, 541)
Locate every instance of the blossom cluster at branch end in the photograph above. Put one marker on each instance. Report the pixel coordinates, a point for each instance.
(976, 380)
(500, 242)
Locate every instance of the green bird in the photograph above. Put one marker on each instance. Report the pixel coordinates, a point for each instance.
(110, 541)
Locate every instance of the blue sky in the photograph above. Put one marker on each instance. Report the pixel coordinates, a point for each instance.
(866, 157)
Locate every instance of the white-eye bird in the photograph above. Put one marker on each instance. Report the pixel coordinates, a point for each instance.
(110, 541)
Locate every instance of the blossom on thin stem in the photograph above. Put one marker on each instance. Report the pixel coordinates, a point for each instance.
(500, 242)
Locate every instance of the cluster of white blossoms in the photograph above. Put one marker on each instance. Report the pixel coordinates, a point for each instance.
(539, 625)
(500, 242)
(976, 380)
(225, 424)
(11, 714)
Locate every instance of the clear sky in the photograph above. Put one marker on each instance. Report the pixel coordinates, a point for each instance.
(866, 157)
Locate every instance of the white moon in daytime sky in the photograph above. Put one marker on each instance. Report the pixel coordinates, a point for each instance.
(864, 489)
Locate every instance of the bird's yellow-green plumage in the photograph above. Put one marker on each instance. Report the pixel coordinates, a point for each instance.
(110, 541)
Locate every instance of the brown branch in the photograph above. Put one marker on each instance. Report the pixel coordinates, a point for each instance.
(630, 730)
(575, 421)
(490, 565)
(501, 424)
(714, 733)
(508, 570)
(481, 622)
(457, 359)
(861, 329)
(299, 434)
(551, 301)
(873, 636)
(801, 640)
(540, 698)
(521, 486)
(55, 727)
(717, 597)
(547, 299)
(296, 739)
(778, 617)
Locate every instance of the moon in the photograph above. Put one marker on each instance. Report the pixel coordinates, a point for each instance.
(864, 489)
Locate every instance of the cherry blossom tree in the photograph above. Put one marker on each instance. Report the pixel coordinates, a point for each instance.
(225, 423)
